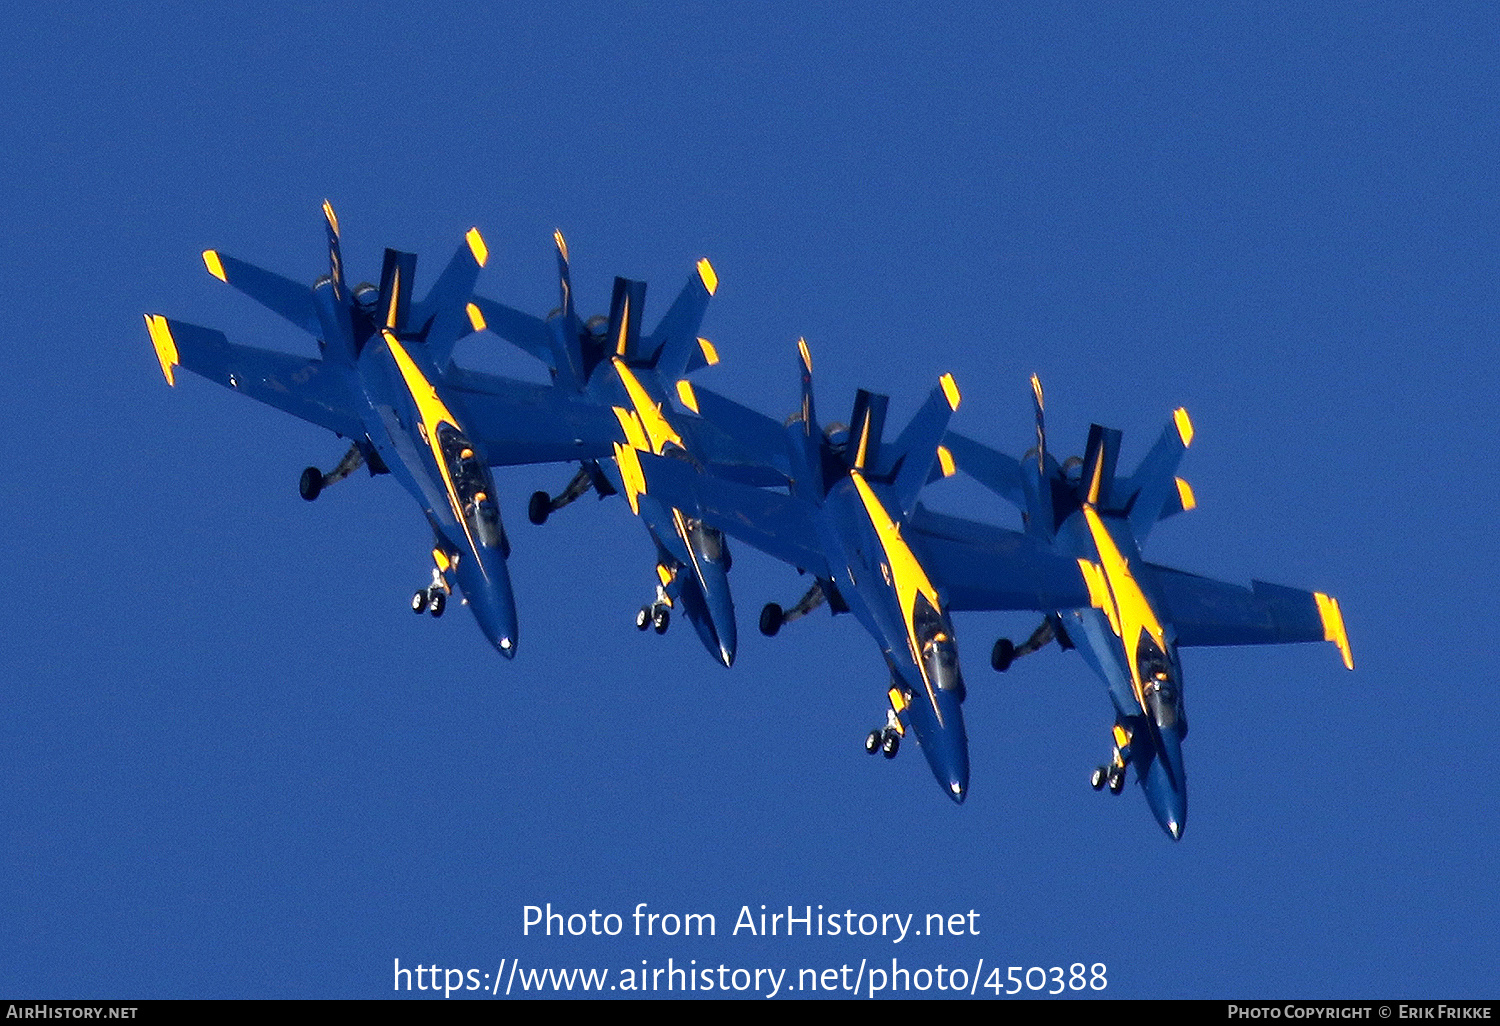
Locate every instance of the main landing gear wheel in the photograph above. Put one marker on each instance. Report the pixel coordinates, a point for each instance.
(771, 619)
(429, 600)
(539, 508)
(661, 618)
(1003, 654)
(643, 618)
(310, 484)
(1098, 778)
(872, 742)
(1116, 781)
(890, 744)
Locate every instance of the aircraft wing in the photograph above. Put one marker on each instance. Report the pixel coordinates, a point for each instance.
(1209, 612)
(981, 567)
(303, 387)
(518, 422)
(779, 525)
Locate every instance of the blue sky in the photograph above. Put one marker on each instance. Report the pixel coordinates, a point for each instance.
(236, 765)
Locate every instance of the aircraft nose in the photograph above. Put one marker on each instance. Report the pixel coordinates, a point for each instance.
(489, 597)
(1166, 787)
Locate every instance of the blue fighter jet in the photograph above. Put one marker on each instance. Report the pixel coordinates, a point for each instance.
(843, 521)
(1137, 614)
(385, 379)
(606, 361)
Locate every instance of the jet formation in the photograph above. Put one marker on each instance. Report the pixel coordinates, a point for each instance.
(841, 504)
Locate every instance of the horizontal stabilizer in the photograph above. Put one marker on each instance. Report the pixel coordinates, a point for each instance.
(913, 454)
(530, 334)
(1155, 492)
(995, 470)
(674, 344)
(280, 295)
(444, 314)
(309, 389)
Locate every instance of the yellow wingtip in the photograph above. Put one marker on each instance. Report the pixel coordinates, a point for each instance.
(706, 272)
(710, 354)
(562, 243)
(687, 395)
(1036, 390)
(476, 318)
(165, 345)
(945, 460)
(1184, 426)
(950, 390)
(1333, 626)
(806, 356)
(215, 265)
(331, 217)
(476, 246)
(1185, 494)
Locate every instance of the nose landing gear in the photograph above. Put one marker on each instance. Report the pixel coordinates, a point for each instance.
(434, 598)
(1113, 775)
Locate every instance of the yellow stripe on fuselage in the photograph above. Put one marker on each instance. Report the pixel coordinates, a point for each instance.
(1127, 607)
(907, 576)
(432, 411)
(647, 409)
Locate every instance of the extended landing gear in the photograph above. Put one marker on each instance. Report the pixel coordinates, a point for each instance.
(312, 482)
(1006, 652)
(434, 598)
(1113, 775)
(772, 617)
(887, 740)
(541, 505)
(656, 616)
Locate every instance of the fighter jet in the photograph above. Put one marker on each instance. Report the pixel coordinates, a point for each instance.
(844, 521)
(607, 362)
(1137, 614)
(386, 381)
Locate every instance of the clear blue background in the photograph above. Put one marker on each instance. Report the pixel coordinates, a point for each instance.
(234, 764)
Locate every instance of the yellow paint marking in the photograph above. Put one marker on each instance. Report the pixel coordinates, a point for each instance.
(1093, 577)
(432, 411)
(664, 575)
(863, 450)
(806, 356)
(950, 390)
(631, 475)
(475, 317)
(1333, 626)
(1185, 495)
(476, 246)
(562, 244)
(165, 345)
(1036, 389)
(907, 576)
(649, 411)
(945, 460)
(621, 342)
(706, 272)
(390, 315)
(440, 558)
(215, 265)
(710, 354)
(1132, 610)
(1122, 737)
(1184, 426)
(1096, 479)
(898, 705)
(332, 218)
(685, 393)
(630, 425)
